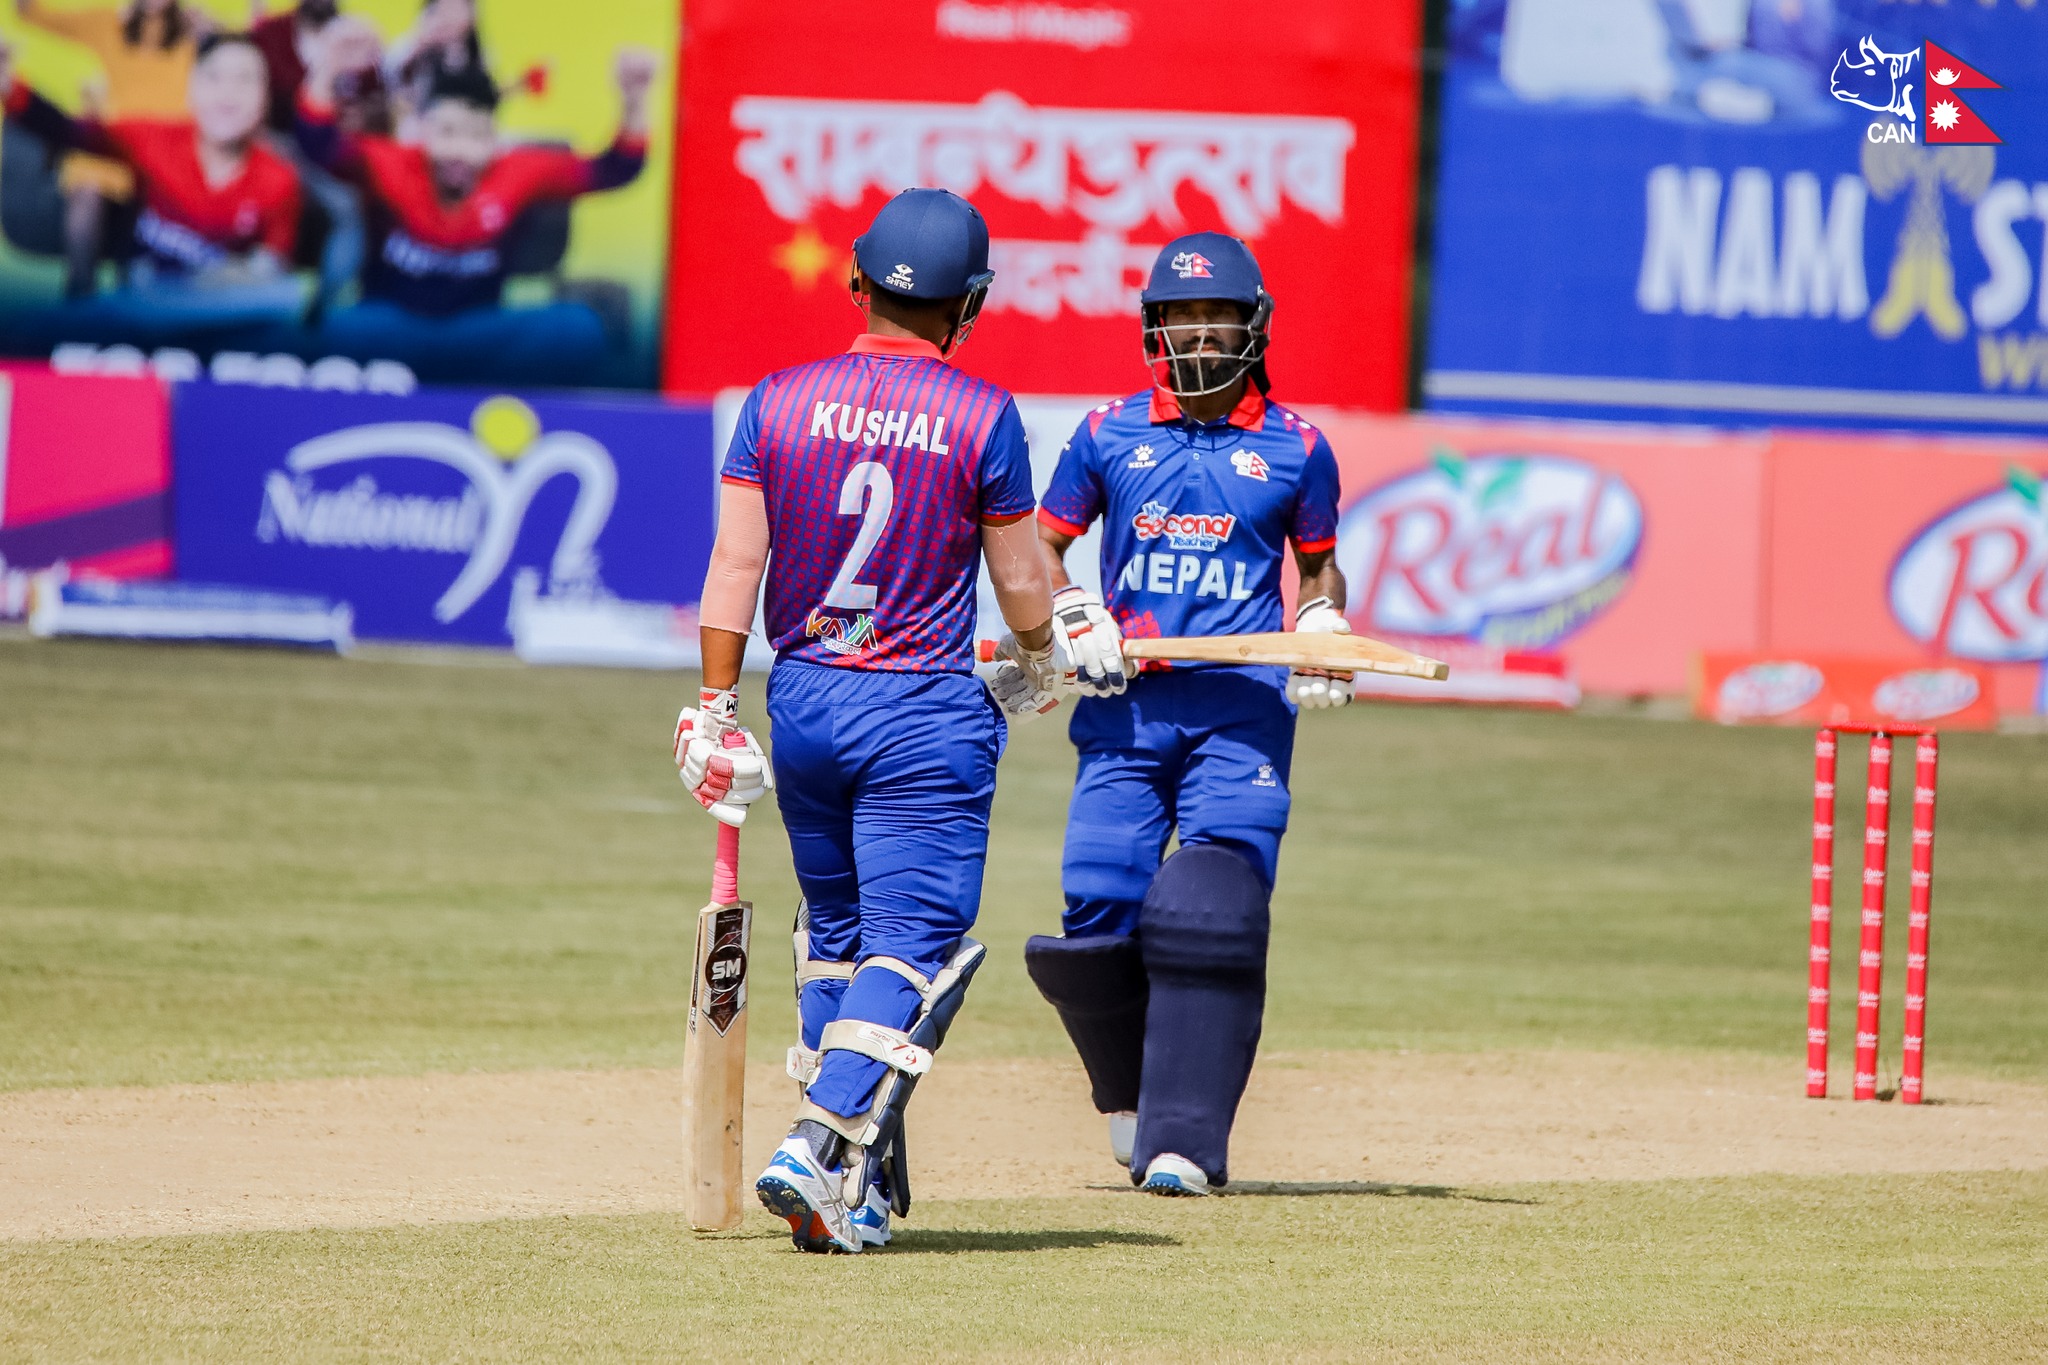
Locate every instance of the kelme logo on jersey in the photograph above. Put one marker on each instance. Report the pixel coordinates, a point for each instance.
(1183, 530)
(1191, 265)
(1511, 550)
(1974, 583)
(840, 635)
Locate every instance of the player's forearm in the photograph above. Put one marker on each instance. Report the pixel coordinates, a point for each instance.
(1017, 571)
(732, 586)
(1320, 577)
(724, 651)
(1053, 544)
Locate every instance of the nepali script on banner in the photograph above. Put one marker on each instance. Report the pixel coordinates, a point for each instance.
(1080, 136)
(456, 517)
(1739, 211)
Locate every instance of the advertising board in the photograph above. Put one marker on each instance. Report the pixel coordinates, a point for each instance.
(1089, 136)
(454, 517)
(1744, 213)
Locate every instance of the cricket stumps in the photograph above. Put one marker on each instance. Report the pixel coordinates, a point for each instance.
(1877, 800)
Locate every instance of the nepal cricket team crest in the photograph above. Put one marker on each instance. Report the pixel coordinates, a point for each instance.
(1884, 82)
(1514, 551)
(1974, 582)
(504, 459)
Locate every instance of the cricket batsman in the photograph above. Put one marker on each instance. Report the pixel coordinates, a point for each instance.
(1201, 483)
(879, 478)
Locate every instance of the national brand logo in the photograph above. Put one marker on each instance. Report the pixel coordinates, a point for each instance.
(1183, 530)
(1250, 464)
(504, 460)
(1191, 265)
(840, 635)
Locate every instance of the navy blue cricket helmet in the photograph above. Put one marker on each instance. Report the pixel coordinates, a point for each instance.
(932, 245)
(1206, 265)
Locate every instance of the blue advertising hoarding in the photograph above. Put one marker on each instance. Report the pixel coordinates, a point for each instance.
(1743, 212)
(455, 517)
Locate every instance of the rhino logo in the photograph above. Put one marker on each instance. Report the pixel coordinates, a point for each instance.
(1877, 81)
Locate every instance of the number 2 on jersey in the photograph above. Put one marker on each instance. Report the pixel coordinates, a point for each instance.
(867, 482)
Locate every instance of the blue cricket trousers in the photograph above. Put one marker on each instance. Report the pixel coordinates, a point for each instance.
(1205, 751)
(884, 781)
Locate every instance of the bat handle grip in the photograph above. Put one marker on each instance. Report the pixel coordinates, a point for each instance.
(725, 868)
(986, 651)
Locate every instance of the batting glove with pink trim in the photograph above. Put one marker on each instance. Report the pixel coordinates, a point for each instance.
(719, 760)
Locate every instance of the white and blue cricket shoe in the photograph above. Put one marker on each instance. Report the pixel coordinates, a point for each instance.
(801, 1192)
(1172, 1175)
(871, 1219)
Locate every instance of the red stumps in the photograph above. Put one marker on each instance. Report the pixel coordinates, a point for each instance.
(1924, 773)
(1818, 951)
(1877, 797)
(1877, 806)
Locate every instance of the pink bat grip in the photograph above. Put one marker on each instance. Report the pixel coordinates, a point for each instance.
(725, 868)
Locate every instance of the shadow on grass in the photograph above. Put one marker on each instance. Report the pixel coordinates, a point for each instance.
(1044, 1239)
(1267, 1189)
(1238, 1189)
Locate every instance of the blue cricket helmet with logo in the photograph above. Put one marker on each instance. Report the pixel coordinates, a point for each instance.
(1206, 265)
(931, 245)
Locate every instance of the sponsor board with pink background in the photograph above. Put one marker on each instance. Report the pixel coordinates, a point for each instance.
(1631, 553)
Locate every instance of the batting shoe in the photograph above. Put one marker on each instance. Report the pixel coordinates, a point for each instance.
(871, 1219)
(798, 1189)
(1123, 1136)
(1174, 1176)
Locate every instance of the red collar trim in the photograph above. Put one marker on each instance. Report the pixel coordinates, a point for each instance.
(868, 343)
(1248, 415)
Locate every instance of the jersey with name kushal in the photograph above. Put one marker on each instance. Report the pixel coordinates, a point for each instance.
(1196, 517)
(879, 468)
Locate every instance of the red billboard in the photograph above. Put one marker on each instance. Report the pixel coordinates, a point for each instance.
(1089, 135)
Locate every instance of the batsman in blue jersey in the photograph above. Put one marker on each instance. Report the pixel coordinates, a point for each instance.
(1201, 483)
(879, 478)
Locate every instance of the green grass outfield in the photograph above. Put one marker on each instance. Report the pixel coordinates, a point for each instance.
(220, 865)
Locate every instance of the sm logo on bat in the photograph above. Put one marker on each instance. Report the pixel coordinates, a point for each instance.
(726, 967)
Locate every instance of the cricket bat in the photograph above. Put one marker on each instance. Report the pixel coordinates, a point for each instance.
(1290, 649)
(715, 1050)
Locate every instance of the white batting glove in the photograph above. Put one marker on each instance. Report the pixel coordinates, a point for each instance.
(1319, 687)
(1028, 682)
(719, 760)
(1093, 642)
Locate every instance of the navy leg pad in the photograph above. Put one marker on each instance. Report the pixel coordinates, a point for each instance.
(1203, 933)
(1097, 985)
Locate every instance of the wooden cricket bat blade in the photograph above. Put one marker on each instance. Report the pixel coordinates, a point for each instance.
(715, 1050)
(1292, 649)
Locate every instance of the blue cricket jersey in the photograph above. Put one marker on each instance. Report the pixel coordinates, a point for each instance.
(879, 468)
(1195, 517)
